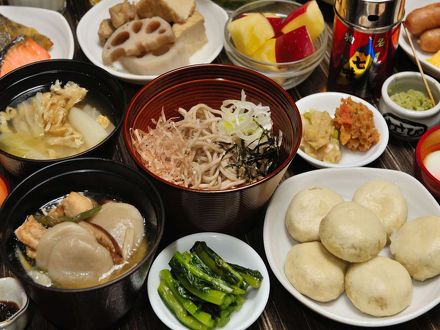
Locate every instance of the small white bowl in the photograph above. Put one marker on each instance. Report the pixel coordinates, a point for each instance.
(232, 250)
(11, 290)
(404, 123)
(329, 101)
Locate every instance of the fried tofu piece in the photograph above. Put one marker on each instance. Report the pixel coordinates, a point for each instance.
(173, 11)
(192, 33)
(105, 30)
(103, 121)
(122, 13)
(30, 232)
(75, 204)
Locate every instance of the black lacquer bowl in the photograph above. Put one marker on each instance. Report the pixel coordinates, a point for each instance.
(99, 306)
(26, 81)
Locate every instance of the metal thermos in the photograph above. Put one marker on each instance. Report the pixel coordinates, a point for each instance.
(365, 38)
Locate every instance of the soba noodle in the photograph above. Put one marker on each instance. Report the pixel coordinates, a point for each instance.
(193, 152)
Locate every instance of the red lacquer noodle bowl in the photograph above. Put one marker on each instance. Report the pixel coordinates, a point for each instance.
(233, 210)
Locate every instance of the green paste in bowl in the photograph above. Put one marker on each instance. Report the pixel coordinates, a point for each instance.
(412, 100)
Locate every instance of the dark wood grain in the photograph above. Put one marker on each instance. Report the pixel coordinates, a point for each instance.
(282, 311)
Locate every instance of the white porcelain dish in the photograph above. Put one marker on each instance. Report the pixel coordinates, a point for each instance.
(232, 250)
(429, 68)
(11, 290)
(277, 242)
(48, 22)
(87, 33)
(329, 101)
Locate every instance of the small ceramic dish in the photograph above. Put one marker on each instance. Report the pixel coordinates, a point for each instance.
(87, 33)
(404, 43)
(48, 22)
(232, 250)
(11, 290)
(429, 142)
(403, 123)
(345, 181)
(329, 101)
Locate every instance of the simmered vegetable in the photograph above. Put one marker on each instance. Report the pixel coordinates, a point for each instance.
(202, 289)
(252, 277)
(49, 221)
(216, 263)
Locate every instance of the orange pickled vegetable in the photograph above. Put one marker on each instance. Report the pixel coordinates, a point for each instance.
(4, 189)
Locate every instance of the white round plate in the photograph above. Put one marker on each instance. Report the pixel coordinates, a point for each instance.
(429, 68)
(48, 22)
(87, 33)
(345, 181)
(329, 101)
(232, 250)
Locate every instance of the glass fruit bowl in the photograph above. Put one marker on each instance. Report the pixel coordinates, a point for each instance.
(287, 74)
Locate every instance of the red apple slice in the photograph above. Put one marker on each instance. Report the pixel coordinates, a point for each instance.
(309, 15)
(294, 45)
(277, 23)
(250, 32)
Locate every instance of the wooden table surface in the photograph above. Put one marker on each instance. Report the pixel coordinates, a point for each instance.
(282, 311)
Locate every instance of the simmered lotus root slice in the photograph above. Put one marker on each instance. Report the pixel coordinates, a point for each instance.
(136, 38)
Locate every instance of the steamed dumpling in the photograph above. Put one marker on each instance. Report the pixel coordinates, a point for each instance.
(72, 256)
(379, 287)
(306, 211)
(352, 232)
(124, 222)
(386, 201)
(417, 247)
(315, 272)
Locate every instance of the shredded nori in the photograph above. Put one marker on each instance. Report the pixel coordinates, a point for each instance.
(256, 159)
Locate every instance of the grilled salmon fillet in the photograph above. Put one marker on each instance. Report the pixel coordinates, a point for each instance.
(20, 52)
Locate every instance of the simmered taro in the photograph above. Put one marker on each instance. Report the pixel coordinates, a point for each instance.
(78, 241)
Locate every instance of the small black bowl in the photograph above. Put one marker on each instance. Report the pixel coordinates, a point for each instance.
(98, 306)
(37, 77)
